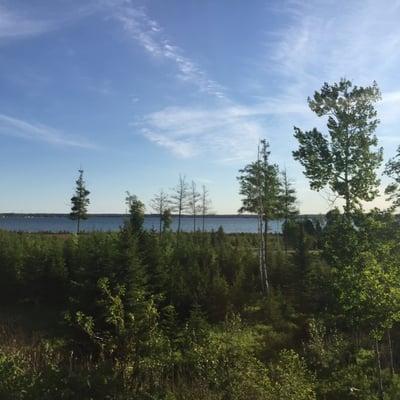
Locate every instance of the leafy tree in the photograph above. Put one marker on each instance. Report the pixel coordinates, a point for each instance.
(393, 170)
(369, 292)
(260, 187)
(80, 201)
(136, 212)
(292, 380)
(345, 160)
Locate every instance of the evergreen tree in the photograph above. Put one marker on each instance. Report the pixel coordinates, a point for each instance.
(80, 201)
(166, 220)
(345, 161)
(288, 201)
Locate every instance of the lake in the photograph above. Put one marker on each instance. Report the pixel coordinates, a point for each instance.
(62, 223)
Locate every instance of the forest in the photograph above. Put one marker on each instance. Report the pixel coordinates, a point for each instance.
(310, 313)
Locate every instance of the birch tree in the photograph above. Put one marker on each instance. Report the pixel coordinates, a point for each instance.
(260, 187)
(345, 160)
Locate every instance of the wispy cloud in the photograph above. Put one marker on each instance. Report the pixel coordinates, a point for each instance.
(230, 133)
(323, 41)
(13, 25)
(33, 21)
(11, 126)
(226, 129)
(150, 35)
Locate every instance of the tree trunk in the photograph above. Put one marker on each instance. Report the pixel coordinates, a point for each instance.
(390, 352)
(379, 368)
(179, 215)
(284, 235)
(261, 251)
(266, 255)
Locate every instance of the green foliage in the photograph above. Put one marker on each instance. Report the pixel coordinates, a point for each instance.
(292, 380)
(288, 199)
(166, 220)
(80, 201)
(369, 292)
(260, 186)
(134, 315)
(344, 161)
(136, 212)
(393, 170)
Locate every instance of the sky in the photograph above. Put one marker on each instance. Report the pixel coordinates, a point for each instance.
(138, 92)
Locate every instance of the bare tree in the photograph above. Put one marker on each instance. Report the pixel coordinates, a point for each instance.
(179, 199)
(159, 203)
(205, 205)
(194, 203)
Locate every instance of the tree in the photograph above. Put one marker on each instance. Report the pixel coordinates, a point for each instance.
(345, 160)
(205, 205)
(369, 293)
(159, 203)
(261, 188)
(79, 201)
(166, 219)
(393, 170)
(136, 212)
(179, 199)
(194, 203)
(288, 203)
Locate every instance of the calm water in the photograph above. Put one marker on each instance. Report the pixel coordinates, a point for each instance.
(112, 223)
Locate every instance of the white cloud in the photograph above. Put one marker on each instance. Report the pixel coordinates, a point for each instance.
(150, 35)
(18, 128)
(229, 133)
(31, 20)
(324, 41)
(13, 25)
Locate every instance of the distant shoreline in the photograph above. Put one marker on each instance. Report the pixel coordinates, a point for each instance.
(50, 215)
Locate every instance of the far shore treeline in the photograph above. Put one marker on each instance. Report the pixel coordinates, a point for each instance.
(308, 313)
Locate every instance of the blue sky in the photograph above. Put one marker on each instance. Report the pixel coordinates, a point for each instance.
(136, 92)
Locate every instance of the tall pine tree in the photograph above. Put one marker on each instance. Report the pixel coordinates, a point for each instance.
(79, 201)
